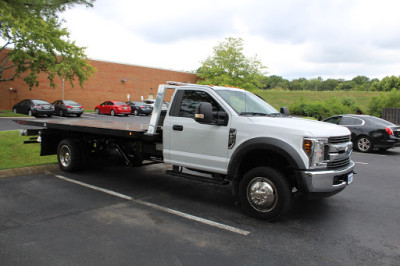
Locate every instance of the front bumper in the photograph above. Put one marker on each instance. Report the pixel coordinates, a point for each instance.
(326, 181)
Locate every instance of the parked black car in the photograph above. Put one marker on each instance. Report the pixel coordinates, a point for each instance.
(34, 108)
(67, 107)
(369, 132)
(138, 108)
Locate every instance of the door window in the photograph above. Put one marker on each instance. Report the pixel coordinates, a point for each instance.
(350, 121)
(191, 99)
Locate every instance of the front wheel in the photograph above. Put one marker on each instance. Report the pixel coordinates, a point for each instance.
(97, 111)
(69, 155)
(112, 113)
(265, 193)
(364, 144)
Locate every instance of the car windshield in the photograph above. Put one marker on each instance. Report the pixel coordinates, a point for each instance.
(70, 102)
(39, 102)
(247, 104)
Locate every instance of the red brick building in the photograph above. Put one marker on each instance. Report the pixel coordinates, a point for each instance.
(111, 81)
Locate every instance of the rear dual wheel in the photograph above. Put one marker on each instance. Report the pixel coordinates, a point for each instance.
(69, 155)
(265, 193)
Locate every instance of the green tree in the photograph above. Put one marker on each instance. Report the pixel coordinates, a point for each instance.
(274, 82)
(228, 66)
(34, 42)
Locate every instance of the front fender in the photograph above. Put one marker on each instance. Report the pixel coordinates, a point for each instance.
(268, 144)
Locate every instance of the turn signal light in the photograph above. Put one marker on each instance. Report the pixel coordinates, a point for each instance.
(307, 145)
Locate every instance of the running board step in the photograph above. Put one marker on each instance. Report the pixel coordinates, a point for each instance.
(198, 178)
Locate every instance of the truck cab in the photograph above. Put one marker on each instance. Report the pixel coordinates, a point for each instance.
(234, 134)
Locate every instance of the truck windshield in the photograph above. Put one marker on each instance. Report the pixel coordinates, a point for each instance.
(247, 104)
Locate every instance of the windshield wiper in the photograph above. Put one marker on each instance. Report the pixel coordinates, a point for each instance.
(276, 114)
(253, 113)
(261, 114)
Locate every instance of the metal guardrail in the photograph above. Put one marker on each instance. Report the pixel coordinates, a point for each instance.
(392, 115)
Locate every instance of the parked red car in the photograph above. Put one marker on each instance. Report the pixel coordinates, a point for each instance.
(113, 108)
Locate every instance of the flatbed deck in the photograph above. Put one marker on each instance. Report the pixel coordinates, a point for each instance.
(111, 128)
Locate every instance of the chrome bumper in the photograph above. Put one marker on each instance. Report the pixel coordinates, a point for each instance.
(325, 181)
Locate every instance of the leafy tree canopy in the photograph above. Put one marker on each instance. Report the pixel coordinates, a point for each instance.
(34, 42)
(228, 66)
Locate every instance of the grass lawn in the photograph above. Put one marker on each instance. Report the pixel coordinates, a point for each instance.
(15, 154)
(6, 113)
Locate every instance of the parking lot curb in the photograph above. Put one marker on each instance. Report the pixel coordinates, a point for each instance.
(49, 168)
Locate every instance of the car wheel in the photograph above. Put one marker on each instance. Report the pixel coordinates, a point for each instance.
(136, 112)
(68, 155)
(49, 115)
(78, 115)
(14, 110)
(364, 144)
(97, 111)
(265, 193)
(112, 113)
(30, 113)
(61, 113)
(125, 114)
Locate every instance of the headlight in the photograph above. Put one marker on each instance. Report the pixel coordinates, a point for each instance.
(315, 150)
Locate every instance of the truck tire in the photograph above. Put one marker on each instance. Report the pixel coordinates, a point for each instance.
(265, 193)
(69, 155)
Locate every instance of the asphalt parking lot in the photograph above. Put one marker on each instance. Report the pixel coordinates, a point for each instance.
(110, 214)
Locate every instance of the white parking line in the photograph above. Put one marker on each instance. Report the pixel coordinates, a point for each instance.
(374, 154)
(158, 207)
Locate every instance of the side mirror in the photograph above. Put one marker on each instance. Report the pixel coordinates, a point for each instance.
(203, 113)
(284, 111)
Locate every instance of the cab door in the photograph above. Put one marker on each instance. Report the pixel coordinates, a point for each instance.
(191, 144)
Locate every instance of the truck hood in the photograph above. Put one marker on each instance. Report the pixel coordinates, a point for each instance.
(306, 127)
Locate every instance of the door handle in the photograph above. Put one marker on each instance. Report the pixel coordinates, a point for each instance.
(177, 127)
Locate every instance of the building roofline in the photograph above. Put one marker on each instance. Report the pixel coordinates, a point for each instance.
(128, 64)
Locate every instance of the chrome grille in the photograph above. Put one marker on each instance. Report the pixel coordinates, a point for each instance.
(337, 152)
(341, 139)
(338, 164)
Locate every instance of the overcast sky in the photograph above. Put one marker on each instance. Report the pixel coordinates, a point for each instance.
(293, 38)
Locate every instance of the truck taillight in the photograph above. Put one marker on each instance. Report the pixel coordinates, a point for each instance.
(389, 131)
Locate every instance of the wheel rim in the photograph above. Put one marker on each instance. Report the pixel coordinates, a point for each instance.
(112, 112)
(97, 111)
(15, 110)
(30, 113)
(363, 144)
(61, 113)
(136, 112)
(262, 194)
(65, 156)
